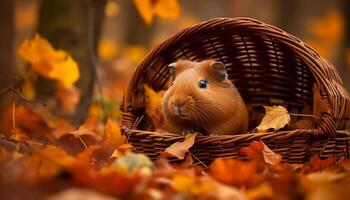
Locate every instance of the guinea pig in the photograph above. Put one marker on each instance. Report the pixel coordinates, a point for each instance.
(202, 98)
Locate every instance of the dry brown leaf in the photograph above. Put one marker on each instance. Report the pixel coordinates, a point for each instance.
(271, 157)
(319, 105)
(179, 149)
(276, 117)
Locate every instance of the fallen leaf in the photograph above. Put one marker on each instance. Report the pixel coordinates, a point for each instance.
(112, 182)
(179, 149)
(271, 157)
(48, 62)
(276, 117)
(47, 163)
(191, 185)
(166, 9)
(79, 193)
(77, 141)
(26, 122)
(113, 134)
(236, 172)
(319, 106)
(121, 150)
(262, 191)
(316, 163)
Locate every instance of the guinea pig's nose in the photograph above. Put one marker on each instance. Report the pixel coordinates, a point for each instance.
(179, 108)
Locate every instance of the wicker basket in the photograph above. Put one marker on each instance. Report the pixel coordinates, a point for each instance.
(268, 66)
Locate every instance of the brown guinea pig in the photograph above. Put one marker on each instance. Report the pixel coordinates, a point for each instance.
(203, 99)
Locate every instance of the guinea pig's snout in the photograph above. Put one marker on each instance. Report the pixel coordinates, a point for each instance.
(180, 106)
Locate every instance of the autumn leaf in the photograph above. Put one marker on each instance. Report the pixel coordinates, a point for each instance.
(276, 117)
(107, 49)
(316, 163)
(134, 53)
(258, 150)
(121, 150)
(77, 141)
(48, 62)
(48, 162)
(113, 134)
(319, 106)
(192, 185)
(236, 172)
(26, 121)
(271, 157)
(166, 9)
(110, 182)
(179, 149)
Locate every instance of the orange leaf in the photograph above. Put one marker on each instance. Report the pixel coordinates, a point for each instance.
(121, 150)
(179, 149)
(236, 172)
(113, 134)
(317, 164)
(166, 9)
(114, 183)
(49, 62)
(257, 150)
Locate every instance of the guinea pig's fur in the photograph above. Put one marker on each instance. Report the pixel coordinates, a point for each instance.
(202, 98)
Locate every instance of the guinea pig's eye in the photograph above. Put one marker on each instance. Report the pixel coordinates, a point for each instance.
(202, 84)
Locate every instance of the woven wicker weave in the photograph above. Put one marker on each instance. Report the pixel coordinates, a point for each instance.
(269, 67)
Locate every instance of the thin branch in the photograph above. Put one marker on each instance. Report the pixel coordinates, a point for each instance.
(199, 160)
(20, 95)
(302, 115)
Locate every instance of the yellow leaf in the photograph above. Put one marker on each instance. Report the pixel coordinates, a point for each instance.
(191, 185)
(113, 134)
(111, 9)
(166, 9)
(276, 117)
(179, 149)
(134, 53)
(144, 7)
(262, 191)
(48, 62)
(107, 49)
(64, 69)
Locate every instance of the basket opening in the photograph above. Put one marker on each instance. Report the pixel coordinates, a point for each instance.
(265, 69)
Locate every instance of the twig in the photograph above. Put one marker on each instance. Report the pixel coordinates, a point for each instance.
(199, 160)
(82, 141)
(302, 115)
(20, 95)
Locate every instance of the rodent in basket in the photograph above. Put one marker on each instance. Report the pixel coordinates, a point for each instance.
(202, 98)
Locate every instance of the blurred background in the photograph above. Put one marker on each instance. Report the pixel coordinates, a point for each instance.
(114, 35)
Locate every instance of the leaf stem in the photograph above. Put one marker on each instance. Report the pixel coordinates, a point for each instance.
(302, 115)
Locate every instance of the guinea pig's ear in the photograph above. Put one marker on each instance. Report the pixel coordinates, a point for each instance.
(171, 67)
(219, 69)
